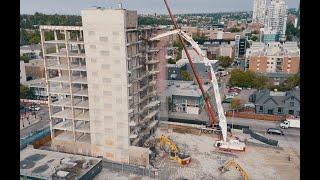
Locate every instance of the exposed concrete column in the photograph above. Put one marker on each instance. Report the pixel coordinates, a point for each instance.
(70, 84)
(42, 37)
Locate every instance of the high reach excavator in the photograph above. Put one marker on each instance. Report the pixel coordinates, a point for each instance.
(231, 144)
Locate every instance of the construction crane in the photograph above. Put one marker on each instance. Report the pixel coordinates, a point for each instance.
(222, 144)
(174, 151)
(232, 163)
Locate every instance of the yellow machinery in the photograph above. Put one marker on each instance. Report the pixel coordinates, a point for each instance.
(168, 146)
(230, 163)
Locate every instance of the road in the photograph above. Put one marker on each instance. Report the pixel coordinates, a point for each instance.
(43, 123)
(261, 126)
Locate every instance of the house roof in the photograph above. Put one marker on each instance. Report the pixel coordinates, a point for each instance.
(263, 96)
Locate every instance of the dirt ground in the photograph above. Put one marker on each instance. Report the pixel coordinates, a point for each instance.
(259, 162)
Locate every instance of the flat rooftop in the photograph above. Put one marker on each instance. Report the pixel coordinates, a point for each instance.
(45, 164)
(185, 88)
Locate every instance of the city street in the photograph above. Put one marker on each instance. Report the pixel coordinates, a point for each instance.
(261, 126)
(42, 122)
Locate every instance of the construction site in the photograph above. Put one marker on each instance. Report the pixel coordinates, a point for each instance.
(108, 108)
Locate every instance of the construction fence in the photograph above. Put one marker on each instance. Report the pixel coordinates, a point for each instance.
(129, 168)
(260, 137)
(251, 115)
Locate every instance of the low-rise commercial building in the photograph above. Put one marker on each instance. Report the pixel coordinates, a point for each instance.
(186, 97)
(43, 164)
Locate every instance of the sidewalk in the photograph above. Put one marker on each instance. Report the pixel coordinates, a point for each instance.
(28, 121)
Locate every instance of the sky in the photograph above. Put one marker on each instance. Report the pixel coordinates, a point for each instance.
(142, 6)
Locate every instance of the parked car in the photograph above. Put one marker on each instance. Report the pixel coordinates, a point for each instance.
(34, 108)
(249, 105)
(234, 90)
(274, 131)
(234, 93)
(227, 100)
(230, 95)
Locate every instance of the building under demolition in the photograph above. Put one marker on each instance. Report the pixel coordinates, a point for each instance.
(105, 76)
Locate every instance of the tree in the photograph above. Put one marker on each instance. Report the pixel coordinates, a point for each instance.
(25, 58)
(225, 61)
(234, 29)
(23, 91)
(260, 82)
(171, 61)
(235, 103)
(185, 75)
(254, 38)
(247, 79)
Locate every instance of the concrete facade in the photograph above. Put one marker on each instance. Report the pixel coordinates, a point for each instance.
(106, 78)
(23, 76)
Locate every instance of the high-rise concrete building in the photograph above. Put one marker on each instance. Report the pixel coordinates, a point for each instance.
(259, 11)
(105, 75)
(276, 17)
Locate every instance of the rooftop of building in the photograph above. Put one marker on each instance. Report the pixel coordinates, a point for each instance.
(278, 97)
(184, 61)
(45, 164)
(185, 88)
(274, 49)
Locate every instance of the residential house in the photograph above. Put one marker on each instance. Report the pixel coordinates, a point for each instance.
(276, 103)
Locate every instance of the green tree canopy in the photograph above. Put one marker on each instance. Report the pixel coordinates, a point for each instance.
(23, 91)
(254, 38)
(234, 29)
(185, 75)
(235, 103)
(247, 79)
(225, 61)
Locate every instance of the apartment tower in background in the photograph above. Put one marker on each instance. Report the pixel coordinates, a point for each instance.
(276, 17)
(259, 11)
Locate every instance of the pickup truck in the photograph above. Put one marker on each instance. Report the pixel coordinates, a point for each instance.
(292, 123)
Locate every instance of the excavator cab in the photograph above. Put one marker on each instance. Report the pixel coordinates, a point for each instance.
(168, 146)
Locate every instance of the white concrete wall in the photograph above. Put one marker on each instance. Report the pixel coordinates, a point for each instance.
(192, 110)
(105, 44)
(23, 77)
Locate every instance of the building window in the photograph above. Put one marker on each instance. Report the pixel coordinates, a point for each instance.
(291, 104)
(106, 80)
(91, 33)
(105, 66)
(261, 108)
(268, 62)
(104, 39)
(107, 93)
(291, 112)
(104, 53)
(270, 111)
(116, 47)
(279, 110)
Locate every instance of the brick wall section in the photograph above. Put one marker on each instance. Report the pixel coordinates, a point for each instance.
(256, 116)
(253, 61)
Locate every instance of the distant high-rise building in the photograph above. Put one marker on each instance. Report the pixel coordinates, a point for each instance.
(276, 16)
(259, 10)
